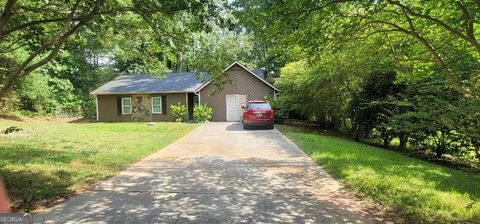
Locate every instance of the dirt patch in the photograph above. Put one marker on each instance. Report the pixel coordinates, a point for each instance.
(11, 117)
(81, 120)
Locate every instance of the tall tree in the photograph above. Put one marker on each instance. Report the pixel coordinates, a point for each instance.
(32, 33)
(320, 25)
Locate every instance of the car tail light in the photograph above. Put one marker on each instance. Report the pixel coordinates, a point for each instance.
(249, 112)
(269, 113)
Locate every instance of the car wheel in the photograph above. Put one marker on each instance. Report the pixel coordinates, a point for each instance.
(245, 127)
(270, 126)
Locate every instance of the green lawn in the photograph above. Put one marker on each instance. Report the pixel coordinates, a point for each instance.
(419, 191)
(54, 159)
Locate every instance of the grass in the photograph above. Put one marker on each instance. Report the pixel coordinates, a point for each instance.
(54, 159)
(417, 190)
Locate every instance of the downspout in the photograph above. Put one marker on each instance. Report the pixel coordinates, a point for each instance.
(199, 97)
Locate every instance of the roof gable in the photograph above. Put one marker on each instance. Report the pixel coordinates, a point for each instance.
(248, 71)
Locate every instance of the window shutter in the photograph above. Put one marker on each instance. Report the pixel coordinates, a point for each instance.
(164, 105)
(119, 106)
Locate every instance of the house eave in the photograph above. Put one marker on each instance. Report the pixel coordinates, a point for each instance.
(154, 92)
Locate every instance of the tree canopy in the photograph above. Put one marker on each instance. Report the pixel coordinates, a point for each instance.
(378, 69)
(389, 69)
(33, 33)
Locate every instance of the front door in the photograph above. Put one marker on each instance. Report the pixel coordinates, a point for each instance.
(233, 108)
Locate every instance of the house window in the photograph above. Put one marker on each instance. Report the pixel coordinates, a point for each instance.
(126, 105)
(156, 105)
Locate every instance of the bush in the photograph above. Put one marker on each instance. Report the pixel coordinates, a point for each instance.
(179, 112)
(280, 111)
(88, 106)
(9, 103)
(35, 94)
(202, 113)
(46, 95)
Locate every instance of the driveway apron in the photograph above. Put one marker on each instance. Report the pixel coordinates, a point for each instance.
(219, 173)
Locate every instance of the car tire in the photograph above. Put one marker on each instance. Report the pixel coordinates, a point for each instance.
(270, 126)
(245, 127)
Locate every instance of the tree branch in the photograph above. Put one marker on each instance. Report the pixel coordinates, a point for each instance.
(438, 59)
(11, 47)
(310, 10)
(60, 19)
(56, 42)
(155, 28)
(54, 51)
(468, 19)
(440, 23)
(6, 14)
(409, 20)
(376, 32)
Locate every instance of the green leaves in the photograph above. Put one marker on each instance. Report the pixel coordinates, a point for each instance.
(202, 113)
(48, 95)
(137, 34)
(178, 112)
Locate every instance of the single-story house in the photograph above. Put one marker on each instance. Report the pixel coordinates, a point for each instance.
(141, 97)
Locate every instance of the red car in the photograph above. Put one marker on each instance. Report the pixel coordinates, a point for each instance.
(258, 113)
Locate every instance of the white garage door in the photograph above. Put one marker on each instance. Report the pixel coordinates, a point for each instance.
(233, 108)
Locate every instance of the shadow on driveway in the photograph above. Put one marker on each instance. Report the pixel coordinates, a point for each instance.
(217, 176)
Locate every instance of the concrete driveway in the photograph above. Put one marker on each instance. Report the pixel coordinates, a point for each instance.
(219, 173)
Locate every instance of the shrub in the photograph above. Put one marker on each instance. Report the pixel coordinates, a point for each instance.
(280, 111)
(179, 112)
(202, 113)
(9, 103)
(88, 106)
(43, 94)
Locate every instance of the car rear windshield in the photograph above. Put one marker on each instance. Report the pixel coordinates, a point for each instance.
(259, 105)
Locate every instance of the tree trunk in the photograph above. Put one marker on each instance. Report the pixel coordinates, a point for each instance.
(386, 142)
(403, 140)
(386, 138)
(439, 151)
(355, 131)
(477, 152)
(7, 86)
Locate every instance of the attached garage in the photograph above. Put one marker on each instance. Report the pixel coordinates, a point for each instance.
(246, 85)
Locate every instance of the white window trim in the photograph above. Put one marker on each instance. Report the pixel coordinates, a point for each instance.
(123, 111)
(161, 109)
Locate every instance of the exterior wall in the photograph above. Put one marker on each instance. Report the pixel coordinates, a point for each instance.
(173, 98)
(141, 107)
(243, 83)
